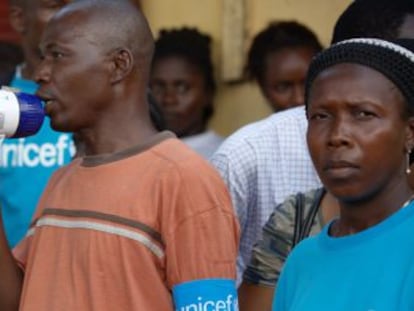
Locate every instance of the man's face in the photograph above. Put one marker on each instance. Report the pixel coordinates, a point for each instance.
(73, 75)
(35, 15)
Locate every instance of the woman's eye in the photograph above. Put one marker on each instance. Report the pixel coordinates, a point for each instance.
(56, 54)
(318, 116)
(182, 88)
(365, 114)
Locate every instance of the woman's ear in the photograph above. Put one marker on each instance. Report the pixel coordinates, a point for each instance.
(410, 134)
(122, 62)
(16, 19)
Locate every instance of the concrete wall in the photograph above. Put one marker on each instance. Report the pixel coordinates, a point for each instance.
(239, 103)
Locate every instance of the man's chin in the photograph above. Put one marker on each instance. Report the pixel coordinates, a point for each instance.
(59, 127)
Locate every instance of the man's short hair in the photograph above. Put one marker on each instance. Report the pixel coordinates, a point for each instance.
(372, 18)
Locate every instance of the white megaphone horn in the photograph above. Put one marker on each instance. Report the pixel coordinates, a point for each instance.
(21, 114)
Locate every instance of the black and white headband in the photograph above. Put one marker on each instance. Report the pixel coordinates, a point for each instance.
(393, 59)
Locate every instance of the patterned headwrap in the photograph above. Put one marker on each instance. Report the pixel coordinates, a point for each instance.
(395, 60)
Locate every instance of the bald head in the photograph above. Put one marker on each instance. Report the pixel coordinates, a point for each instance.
(113, 25)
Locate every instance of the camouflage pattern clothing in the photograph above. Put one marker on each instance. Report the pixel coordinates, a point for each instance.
(271, 251)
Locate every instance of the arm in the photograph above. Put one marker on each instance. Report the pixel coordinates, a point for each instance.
(254, 297)
(204, 262)
(201, 242)
(11, 279)
(268, 256)
(238, 173)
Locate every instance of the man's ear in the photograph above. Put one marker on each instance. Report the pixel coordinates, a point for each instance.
(16, 19)
(122, 62)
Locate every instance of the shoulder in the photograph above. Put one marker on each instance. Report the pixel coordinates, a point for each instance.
(176, 155)
(180, 164)
(288, 207)
(264, 134)
(205, 143)
(304, 253)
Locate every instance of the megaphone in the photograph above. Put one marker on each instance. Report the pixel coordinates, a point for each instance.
(21, 114)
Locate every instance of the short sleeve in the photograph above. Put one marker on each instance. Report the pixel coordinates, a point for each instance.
(201, 232)
(21, 251)
(270, 252)
(237, 168)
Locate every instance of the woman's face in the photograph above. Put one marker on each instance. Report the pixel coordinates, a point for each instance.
(180, 88)
(357, 133)
(284, 77)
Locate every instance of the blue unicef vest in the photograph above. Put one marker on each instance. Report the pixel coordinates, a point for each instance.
(25, 167)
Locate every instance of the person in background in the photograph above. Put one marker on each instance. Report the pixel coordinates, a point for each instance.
(388, 19)
(182, 81)
(258, 160)
(27, 163)
(278, 60)
(360, 107)
(11, 55)
(147, 219)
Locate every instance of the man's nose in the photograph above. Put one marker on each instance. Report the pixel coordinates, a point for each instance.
(42, 72)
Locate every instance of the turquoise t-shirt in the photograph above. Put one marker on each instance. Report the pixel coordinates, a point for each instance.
(25, 167)
(372, 270)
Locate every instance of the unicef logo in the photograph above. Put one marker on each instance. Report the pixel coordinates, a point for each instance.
(19, 153)
(206, 295)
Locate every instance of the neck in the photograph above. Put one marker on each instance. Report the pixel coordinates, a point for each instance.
(359, 215)
(116, 130)
(106, 142)
(199, 128)
(329, 207)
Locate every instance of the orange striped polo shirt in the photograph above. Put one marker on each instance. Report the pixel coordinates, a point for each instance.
(116, 232)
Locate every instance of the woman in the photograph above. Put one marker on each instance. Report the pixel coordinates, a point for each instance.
(360, 101)
(182, 82)
(278, 60)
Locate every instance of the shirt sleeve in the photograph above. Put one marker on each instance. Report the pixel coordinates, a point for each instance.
(21, 251)
(237, 169)
(271, 251)
(200, 230)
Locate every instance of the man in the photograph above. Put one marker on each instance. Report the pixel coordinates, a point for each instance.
(265, 162)
(27, 163)
(40, 155)
(140, 222)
